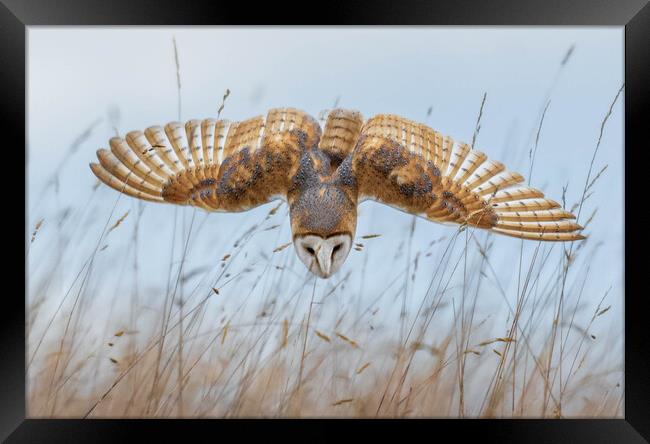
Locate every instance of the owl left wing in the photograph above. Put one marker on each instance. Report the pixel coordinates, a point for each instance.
(413, 168)
(211, 164)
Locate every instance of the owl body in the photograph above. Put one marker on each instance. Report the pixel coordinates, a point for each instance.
(324, 171)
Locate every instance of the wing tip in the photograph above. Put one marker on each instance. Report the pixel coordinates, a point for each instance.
(542, 236)
(173, 125)
(103, 154)
(133, 135)
(518, 177)
(92, 166)
(580, 236)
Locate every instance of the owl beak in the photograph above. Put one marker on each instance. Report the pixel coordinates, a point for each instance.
(324, 258)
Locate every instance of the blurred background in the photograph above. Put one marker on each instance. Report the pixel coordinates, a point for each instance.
(141, 309)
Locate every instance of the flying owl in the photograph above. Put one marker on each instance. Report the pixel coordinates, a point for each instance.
(324, 172)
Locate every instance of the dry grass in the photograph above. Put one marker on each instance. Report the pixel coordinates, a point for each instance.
(292, 351)
(254, 335)
(450, 331)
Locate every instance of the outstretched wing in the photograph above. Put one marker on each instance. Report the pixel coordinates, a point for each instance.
(411, 167)
(214, 165)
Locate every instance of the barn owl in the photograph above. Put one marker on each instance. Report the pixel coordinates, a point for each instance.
(324, 171)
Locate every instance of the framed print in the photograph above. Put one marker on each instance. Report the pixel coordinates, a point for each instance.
(398, 217)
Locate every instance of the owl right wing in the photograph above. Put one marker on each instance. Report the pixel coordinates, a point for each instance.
(415, 169)
(211, 164)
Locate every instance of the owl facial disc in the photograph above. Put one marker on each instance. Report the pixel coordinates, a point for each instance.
(323, 256)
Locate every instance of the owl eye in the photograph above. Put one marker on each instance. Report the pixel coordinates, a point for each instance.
(336, 248)
(310, 250)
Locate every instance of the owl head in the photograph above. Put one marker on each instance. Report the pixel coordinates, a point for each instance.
(323, 223)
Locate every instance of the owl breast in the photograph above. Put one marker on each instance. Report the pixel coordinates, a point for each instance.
(322, 199)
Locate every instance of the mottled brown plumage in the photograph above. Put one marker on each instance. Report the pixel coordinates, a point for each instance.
(324, 174)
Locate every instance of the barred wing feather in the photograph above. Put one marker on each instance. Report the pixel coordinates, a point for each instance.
(418, 170)
(212, 164)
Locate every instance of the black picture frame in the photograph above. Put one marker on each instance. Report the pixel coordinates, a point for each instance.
(16, 15)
